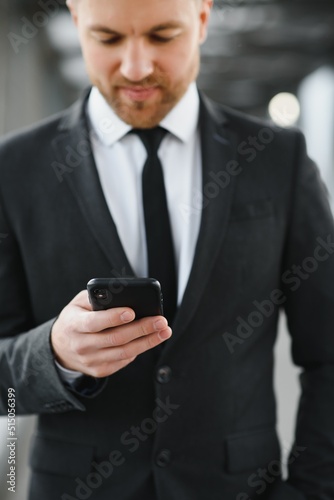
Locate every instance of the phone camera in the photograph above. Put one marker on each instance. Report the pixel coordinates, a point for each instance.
(100, 293)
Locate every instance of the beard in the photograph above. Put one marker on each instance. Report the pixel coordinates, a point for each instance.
(143, 114)
(148, 113)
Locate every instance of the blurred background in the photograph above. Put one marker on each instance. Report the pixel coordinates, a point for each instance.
(271, 58)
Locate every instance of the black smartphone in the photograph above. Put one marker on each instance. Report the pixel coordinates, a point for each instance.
(143, 295)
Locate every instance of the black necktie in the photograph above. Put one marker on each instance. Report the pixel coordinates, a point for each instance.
(160, 248)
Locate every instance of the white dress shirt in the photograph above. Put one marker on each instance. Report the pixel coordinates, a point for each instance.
(120, 158)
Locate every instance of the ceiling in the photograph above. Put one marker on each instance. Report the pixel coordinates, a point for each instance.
(257, 48)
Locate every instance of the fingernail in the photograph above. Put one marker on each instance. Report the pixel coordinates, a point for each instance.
(127, 316)
(160, 324)
(165, 334)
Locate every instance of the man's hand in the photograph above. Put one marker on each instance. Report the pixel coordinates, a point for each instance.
(99, 343)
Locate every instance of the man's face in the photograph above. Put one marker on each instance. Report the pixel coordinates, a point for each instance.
(141, 54)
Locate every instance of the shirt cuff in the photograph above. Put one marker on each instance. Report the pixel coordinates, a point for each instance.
(68, 376)
(78, 382)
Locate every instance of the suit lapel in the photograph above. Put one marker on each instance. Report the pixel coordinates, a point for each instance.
(219, 146)
(74, 153)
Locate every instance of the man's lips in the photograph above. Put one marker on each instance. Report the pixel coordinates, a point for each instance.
(139, 93)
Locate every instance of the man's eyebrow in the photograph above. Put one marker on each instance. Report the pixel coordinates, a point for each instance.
(103, 29)
(160, 27)
(166, 26)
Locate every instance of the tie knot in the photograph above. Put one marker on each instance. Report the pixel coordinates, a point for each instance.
(150, 137)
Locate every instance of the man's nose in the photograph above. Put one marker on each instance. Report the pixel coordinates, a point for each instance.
(136, 62)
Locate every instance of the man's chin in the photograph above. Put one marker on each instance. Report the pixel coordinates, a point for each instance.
(140, 115)
(142, 121)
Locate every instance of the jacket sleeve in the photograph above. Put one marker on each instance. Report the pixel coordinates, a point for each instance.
(308, 281)
(26, 358)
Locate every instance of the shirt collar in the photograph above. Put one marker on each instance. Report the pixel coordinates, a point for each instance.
(181, 121)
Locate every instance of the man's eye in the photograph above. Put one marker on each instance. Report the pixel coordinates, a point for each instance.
(110, 41)
(161, 39)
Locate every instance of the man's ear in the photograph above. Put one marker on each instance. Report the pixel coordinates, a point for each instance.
(205, 10)
(72, 7)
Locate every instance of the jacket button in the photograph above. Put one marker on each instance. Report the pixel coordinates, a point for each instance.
(163, 458)
(164, 374)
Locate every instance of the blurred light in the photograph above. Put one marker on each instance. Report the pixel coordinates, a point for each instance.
(62, 34)
(284, 109)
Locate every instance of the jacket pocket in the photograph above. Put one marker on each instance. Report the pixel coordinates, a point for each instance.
(58, 457)
(257, 209)
(248, 451)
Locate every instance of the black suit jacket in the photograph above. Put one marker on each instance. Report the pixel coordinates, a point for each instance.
(195, 420)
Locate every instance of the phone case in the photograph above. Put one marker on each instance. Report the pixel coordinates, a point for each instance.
(143, 295)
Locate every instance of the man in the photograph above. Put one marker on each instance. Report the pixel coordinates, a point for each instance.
(127, 410)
